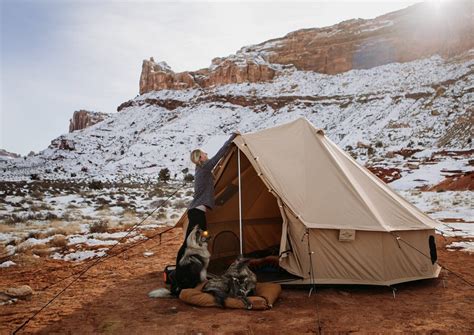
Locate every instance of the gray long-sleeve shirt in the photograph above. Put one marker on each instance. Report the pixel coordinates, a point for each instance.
(204, 179)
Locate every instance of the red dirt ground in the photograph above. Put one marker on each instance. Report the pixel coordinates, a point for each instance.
(112, 299)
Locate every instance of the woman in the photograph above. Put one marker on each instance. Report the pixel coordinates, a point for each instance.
(187, 275)
(204, 185)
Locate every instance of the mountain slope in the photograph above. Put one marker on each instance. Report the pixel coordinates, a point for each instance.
(414, 104)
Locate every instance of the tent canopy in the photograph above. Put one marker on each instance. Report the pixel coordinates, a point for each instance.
(324, 186)
(300, 191)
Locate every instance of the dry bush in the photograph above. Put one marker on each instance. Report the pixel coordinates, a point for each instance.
(27, 247)
(64, 228)
(162, 216)
(124, 204)
(179, 204)
(156, 192)
(50, 216)
(39, 235)
(129, 212)
(99, 227)
(41, 250)
(37, 194)
(58, 241)
(102, 207)
(101, 201)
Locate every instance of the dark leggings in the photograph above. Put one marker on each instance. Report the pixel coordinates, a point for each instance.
(196, 217)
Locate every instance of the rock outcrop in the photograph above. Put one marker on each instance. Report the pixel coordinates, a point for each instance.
(159, 76)
(82, 119)
(416, 32)
(8, 155)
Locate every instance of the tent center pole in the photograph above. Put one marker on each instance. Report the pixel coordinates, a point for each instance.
(240, 204)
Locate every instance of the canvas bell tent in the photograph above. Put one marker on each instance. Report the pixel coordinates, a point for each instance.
(291, 191)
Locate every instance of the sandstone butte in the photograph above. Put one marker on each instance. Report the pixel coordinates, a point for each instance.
(418, 31)
(82, 119)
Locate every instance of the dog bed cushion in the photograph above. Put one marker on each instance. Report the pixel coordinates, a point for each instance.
(266, 295)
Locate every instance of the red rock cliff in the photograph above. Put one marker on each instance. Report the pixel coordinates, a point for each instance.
(82, 119)
(416, 32)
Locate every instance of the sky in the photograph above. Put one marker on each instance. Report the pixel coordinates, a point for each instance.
(60, 56)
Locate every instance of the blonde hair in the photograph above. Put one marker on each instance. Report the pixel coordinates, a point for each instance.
(196, 156)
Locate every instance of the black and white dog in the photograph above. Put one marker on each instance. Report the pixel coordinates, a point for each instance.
(191, 265)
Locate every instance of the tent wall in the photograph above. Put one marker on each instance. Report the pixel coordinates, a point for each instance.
(374, 258)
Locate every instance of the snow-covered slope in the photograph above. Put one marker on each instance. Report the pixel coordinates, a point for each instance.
(415, 104)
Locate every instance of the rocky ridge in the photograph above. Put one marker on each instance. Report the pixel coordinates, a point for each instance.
(416, 32)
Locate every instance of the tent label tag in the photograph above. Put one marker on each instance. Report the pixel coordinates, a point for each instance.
(347, 235)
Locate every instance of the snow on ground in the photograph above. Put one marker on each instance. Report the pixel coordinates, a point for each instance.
(448, 206)
(430, 174)
(67, 223)
(7, 264)
(443, 205)
(397, 105)
(81, 255)
(465, 246)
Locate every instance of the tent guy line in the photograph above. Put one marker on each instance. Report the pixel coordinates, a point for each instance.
(100, 260)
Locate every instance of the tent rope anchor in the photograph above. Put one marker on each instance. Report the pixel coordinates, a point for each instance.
(394, 291)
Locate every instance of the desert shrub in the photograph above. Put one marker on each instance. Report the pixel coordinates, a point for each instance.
(41, 250)
(124, 204)
(378, 144)
(129, 211)
(50, 216)
(58, 241)
(101, 201)
(60, 228)
(156, 192)
(164, 175)
(37, 194)
(188, 178)
(179, 204)
(102, 207)
(37, 235)
(14, 219)
(96, 185)
(161, 216)
(100, 226)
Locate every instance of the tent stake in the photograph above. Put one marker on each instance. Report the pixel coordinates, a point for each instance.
(240, 205)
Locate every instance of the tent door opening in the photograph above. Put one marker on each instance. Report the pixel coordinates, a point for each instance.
(252, 213)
